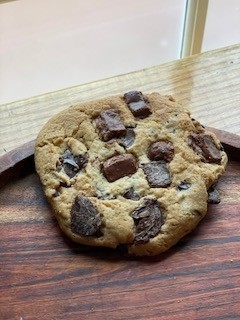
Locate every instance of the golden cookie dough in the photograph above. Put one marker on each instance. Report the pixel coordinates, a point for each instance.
(130, 170)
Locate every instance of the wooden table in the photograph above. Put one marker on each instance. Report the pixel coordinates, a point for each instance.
(43, 275)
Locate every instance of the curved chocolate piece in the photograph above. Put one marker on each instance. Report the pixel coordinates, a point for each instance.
(119, 166)
(205, 147)
(148, 221)
(85, 219)
(72, 164)
(128, 139)
(131, 194)
(137, 104)
(161, 150)
(109, 125)
(184, 186)
(157, 174)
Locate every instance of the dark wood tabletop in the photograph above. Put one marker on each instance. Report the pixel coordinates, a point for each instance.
(44, 275)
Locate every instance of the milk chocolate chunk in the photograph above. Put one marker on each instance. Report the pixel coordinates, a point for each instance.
(109, 125)
(137, 104)
(157, 174)
(205, 147)
(131, 194)
(72, 164)
(128, 139)
(119, 166)
(148, 219)
(161, 150)
(85, 219)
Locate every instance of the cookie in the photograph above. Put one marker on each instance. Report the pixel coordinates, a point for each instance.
(130, 170)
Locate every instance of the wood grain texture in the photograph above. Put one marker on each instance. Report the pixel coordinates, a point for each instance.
(16, 163)
(207, 83)
(44, 275)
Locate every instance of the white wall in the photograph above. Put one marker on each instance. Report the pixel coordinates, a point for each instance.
(51, 44)
(222, 24)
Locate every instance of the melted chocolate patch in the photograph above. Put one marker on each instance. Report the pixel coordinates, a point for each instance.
(119, 166)
(157, 174)
(205, 147)
(109, 125)
(137, 104)
(131, 194)
(148, 219)
(85, 219)
(161, 150)
(72, 164)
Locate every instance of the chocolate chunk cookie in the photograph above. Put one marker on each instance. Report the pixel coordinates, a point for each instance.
(132, 169)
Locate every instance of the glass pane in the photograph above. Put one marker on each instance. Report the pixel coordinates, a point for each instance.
(222, 24)
(51, 44)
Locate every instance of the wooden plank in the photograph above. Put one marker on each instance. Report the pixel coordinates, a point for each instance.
(46, 276)
(17, 163)
(207, 83)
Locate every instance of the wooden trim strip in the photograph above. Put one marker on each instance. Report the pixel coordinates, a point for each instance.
(17, 163)
(194, 25)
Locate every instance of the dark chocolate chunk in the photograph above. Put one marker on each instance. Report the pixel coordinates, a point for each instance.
(59, 168)
(72, 164)
(213, 195)
(109, 125)
(148, 219)
(128, 139)
(119, 166)
(161, 150)
(184, 186)
(81, 160)
(157, 174)
(131, 194)
(140, 109)
(137, 104)
(133, 96)
(85, 219)
(205, 147)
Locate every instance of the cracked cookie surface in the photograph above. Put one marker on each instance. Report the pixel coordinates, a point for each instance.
(131, 169)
